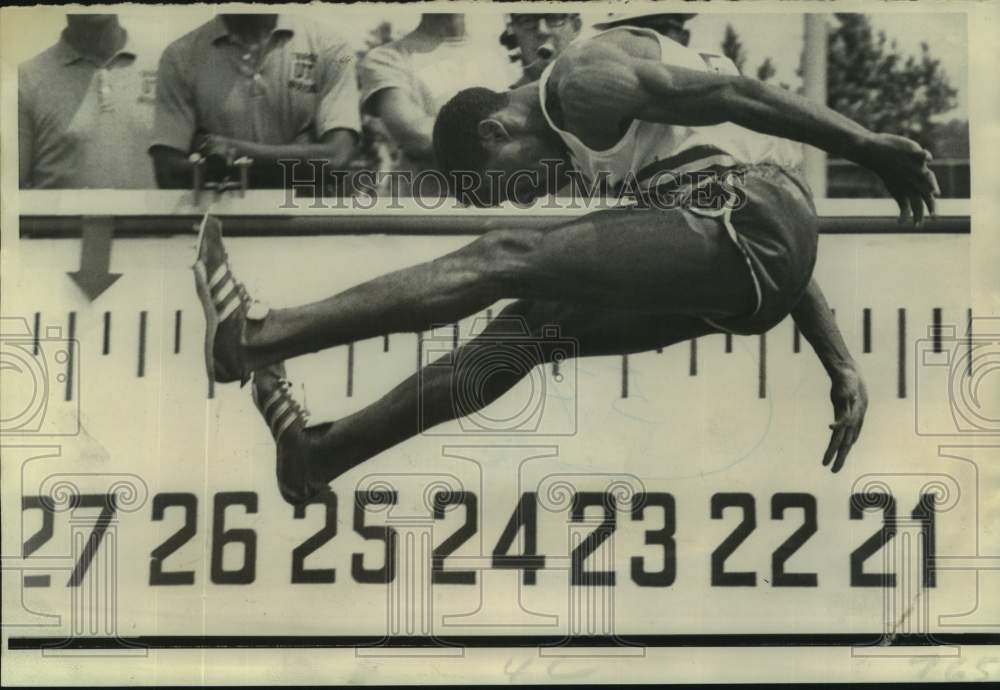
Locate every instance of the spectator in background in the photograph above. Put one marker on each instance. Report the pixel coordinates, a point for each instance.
(535, 39)
(85, 109)
(265, 86)
(405, 83)
(670, 25)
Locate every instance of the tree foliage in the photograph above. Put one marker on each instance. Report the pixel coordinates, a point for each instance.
(766, 70)
(870, 82)
(732, 47)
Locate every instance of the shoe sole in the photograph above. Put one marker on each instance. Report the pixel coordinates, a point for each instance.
(290, 494)
(208, 309)
(304, 491)
(311, 495)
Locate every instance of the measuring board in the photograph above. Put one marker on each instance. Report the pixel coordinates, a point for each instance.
(719, 439)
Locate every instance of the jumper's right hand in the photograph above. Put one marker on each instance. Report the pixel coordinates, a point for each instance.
(849, 396)
(902, 165)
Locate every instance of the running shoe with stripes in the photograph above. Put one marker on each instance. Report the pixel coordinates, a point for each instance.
(227, 306)
(297, 447)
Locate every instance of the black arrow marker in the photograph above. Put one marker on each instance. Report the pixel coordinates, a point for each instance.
(95, 257)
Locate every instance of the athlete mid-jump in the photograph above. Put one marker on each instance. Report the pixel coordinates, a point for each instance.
(618, 281)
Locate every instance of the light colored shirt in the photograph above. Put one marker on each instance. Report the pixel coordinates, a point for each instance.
(300, 86)
(83, 124)
(430, 70)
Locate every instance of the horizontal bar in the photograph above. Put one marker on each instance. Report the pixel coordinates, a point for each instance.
(428, 224)
(502, 641)
(272, 202)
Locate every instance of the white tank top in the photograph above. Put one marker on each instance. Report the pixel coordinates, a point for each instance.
(649, 146)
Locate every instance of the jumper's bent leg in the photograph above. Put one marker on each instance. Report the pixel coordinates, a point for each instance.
(309, 458)
(644, 260)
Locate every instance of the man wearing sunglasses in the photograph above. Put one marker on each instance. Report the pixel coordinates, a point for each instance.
(535, 39)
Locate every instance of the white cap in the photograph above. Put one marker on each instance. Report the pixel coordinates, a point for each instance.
(618, 18)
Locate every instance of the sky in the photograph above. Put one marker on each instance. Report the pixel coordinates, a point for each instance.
(778, 36)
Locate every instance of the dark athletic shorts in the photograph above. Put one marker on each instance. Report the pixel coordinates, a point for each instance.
(776, 230)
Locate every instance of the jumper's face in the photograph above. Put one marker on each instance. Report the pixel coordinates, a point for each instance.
(521, 166)
(543, 35)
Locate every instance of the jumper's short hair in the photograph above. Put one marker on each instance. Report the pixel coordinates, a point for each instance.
(458, 147)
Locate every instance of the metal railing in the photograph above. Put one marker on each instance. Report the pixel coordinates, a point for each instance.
(57, 214)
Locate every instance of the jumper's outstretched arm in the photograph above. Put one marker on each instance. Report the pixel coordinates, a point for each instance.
(604, 83)
(848, 393)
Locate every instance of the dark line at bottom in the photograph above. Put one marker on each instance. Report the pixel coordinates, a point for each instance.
(501, 641)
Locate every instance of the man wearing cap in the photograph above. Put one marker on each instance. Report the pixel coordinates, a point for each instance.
(265, 86)
(669, 24)
(85, 109)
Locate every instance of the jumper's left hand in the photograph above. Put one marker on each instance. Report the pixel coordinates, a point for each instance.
(903, 166)
(850, 402)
